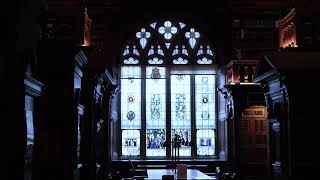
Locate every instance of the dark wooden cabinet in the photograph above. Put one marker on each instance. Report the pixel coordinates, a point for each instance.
(288, 80)
(247, 124)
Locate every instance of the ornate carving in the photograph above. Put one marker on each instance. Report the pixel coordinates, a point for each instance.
(87, 29)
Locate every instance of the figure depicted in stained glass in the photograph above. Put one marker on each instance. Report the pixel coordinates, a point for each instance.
(131, 142)
(155, 107)
(155, 138)
(180, 106)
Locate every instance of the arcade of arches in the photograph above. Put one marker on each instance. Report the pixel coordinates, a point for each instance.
(104, 89)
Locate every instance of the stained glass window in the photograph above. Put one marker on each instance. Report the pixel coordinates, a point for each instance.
(155, 95)
(205, 142)
(130, 142)
(180, 110)
(130, 109)
(155, 110)
(205, 113)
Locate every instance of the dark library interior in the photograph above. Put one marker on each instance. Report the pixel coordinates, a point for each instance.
(168, 89)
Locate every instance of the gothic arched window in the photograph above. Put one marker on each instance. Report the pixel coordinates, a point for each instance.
(168, 84)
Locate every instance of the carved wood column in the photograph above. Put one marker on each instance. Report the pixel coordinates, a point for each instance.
(87, 154)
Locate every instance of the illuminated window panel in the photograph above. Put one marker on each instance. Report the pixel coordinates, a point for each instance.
(205, 142)
(180, 102)
(130, 97)
(155, 142)
(155, 109)
(183, 136)
(180, 111)
(130, 142)
(205, 101)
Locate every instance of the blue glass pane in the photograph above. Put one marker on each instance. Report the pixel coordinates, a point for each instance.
(155, 142)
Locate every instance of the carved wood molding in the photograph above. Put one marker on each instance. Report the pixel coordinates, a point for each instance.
(32, 86)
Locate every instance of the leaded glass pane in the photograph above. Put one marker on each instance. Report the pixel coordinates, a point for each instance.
(130, 97)
(135, 50)
(153, 25)
(155, 60)
(209, 51)
(180, 60)
(155, 142)
(205, 101)
(205, 142)
(182, 25)
(160, 52)
(130, 142)
(182, 138)
(126, 51)
(151, 50)
(200, 51)
(184, 50)
(204, 60)
(168, 45)
(180, 109)
(175, 51)
(131, 60)
(155, 109)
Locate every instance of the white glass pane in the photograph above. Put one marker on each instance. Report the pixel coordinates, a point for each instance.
(143, 42)
(182, 25)
(175, 51)
(153, 25)
(209, 51)
(204, 60)
(126, 51)
(155, 110)
(161, 30)
(168, 45)
(151, 51)
(180, 110)
(167, 24)
(155, 60)
(205, 101)
(167, 35)
(180, 61)
(131, 72)
(205, 142)
(192, 42)
(200, 51)
(130, 142)
(184, 50)
(173, 30)
(160, 52)
(130, 97)
(135, 50)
